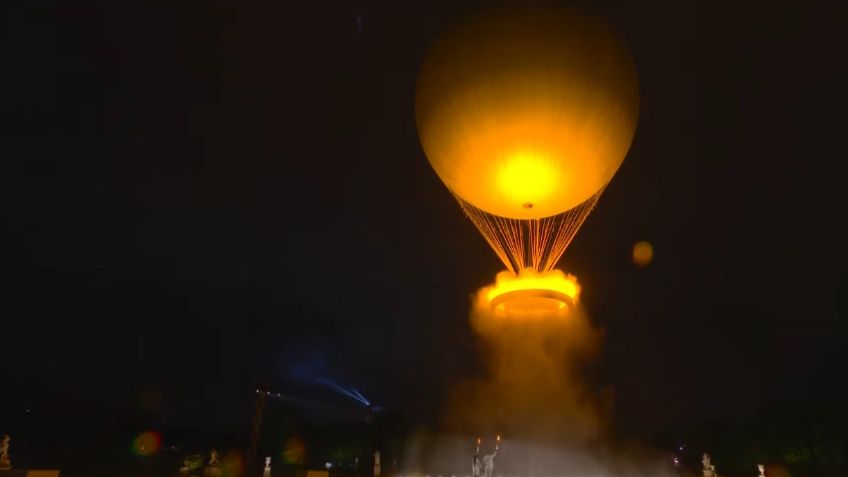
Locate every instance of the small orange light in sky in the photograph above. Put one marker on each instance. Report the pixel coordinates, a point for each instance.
(643, 253)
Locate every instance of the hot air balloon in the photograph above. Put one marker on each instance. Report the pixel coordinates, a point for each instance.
(526, 113)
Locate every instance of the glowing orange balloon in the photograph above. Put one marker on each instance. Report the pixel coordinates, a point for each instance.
(527, 112)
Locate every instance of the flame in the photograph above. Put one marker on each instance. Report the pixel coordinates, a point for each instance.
(531, 294)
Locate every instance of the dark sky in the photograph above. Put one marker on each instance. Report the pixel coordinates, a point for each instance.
(201, 198)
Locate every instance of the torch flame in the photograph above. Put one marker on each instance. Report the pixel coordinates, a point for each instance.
(531, 294)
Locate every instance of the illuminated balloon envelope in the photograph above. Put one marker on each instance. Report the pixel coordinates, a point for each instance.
(525, 113)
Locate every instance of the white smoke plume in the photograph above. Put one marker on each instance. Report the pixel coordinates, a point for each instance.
(535, 396)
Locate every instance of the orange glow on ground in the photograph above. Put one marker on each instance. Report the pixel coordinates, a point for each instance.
(531, 294)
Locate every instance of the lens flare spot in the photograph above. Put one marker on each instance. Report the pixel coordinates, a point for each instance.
(643, 253)
(778, 470)
(531, 294)
(294, 451)
(146, 444)
(233, 464)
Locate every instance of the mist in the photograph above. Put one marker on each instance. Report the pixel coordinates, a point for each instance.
(533, 394)
(533, 388)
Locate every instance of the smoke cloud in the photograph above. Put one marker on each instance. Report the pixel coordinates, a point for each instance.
(533, 389)
(534, 394)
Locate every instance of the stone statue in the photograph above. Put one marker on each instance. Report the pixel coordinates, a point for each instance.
(5, 461)
(213, 468)
(489, 464)
(709, 469)
(377, 464)
(762, 469)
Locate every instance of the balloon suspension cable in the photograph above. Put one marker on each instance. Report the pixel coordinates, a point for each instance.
(530, 243)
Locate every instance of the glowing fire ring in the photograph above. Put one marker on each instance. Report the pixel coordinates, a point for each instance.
(533, 295)
(533, 302)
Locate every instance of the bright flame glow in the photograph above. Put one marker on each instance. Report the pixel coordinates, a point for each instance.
(527, 179)
(528, 279)
(531, 294)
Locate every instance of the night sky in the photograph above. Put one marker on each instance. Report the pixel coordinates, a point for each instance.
(200, 199)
